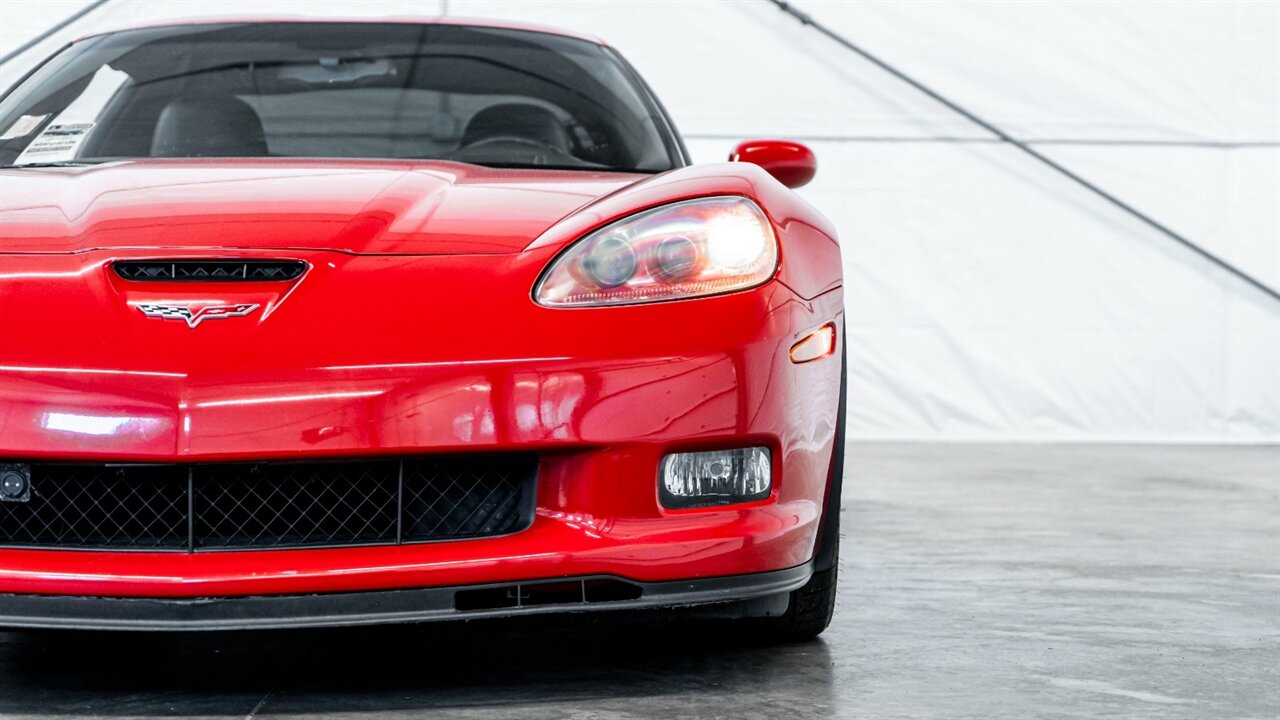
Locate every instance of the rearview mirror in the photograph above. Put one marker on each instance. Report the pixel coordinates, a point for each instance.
(791, 163)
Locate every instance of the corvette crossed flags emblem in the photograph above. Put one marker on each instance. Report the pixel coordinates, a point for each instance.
(198, 315)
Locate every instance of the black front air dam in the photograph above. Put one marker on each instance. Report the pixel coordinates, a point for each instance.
(566, 595)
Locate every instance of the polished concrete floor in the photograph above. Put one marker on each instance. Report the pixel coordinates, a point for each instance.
(977, 581)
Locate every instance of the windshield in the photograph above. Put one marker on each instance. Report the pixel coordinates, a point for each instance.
(497, 97)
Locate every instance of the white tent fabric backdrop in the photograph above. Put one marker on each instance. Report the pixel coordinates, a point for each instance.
(988, 297)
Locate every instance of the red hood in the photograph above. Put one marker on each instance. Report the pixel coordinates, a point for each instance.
(365, 207)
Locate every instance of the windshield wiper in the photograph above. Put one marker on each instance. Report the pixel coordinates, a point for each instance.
(536, 166)
(63, 163)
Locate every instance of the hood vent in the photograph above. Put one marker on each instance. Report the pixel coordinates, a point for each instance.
(188, 270)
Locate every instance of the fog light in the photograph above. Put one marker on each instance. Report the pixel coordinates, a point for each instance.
(719, 477)
(15, 483)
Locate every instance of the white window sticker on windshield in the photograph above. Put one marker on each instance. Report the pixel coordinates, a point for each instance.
(58, 143)
(23, 126)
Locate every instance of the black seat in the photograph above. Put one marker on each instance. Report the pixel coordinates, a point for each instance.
(209, 127)
(517, 121)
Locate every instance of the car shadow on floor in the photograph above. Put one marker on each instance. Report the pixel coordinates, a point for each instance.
(463, 667)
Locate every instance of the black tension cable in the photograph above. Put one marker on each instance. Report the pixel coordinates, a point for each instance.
(44, 35)
(1168, 232)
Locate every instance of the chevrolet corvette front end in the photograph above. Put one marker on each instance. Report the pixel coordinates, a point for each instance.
(344, 323)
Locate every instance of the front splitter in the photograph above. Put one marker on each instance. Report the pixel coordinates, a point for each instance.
(386, 606)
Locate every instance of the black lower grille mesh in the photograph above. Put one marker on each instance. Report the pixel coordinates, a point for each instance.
(262, 505)
(140, 506)
(458, 499)
(311, 504)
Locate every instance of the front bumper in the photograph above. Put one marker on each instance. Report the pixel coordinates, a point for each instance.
(568, 595)
(588, 394)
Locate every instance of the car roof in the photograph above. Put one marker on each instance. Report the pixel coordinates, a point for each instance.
(468, 22)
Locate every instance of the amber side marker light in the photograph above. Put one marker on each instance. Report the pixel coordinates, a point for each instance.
(816, 345)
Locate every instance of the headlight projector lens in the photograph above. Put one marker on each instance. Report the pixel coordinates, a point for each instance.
(677, 259)
(610, 263)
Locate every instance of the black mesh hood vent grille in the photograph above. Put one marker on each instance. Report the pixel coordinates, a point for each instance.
(209, 270)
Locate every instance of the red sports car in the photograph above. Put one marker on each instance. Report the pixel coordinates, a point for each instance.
(331, 323)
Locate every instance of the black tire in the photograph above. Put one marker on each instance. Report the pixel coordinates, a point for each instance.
(809, 612)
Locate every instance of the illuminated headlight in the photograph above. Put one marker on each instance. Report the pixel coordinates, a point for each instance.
(719, 477)
(683, 250)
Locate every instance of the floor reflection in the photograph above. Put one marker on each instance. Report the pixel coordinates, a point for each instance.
(480, 669)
